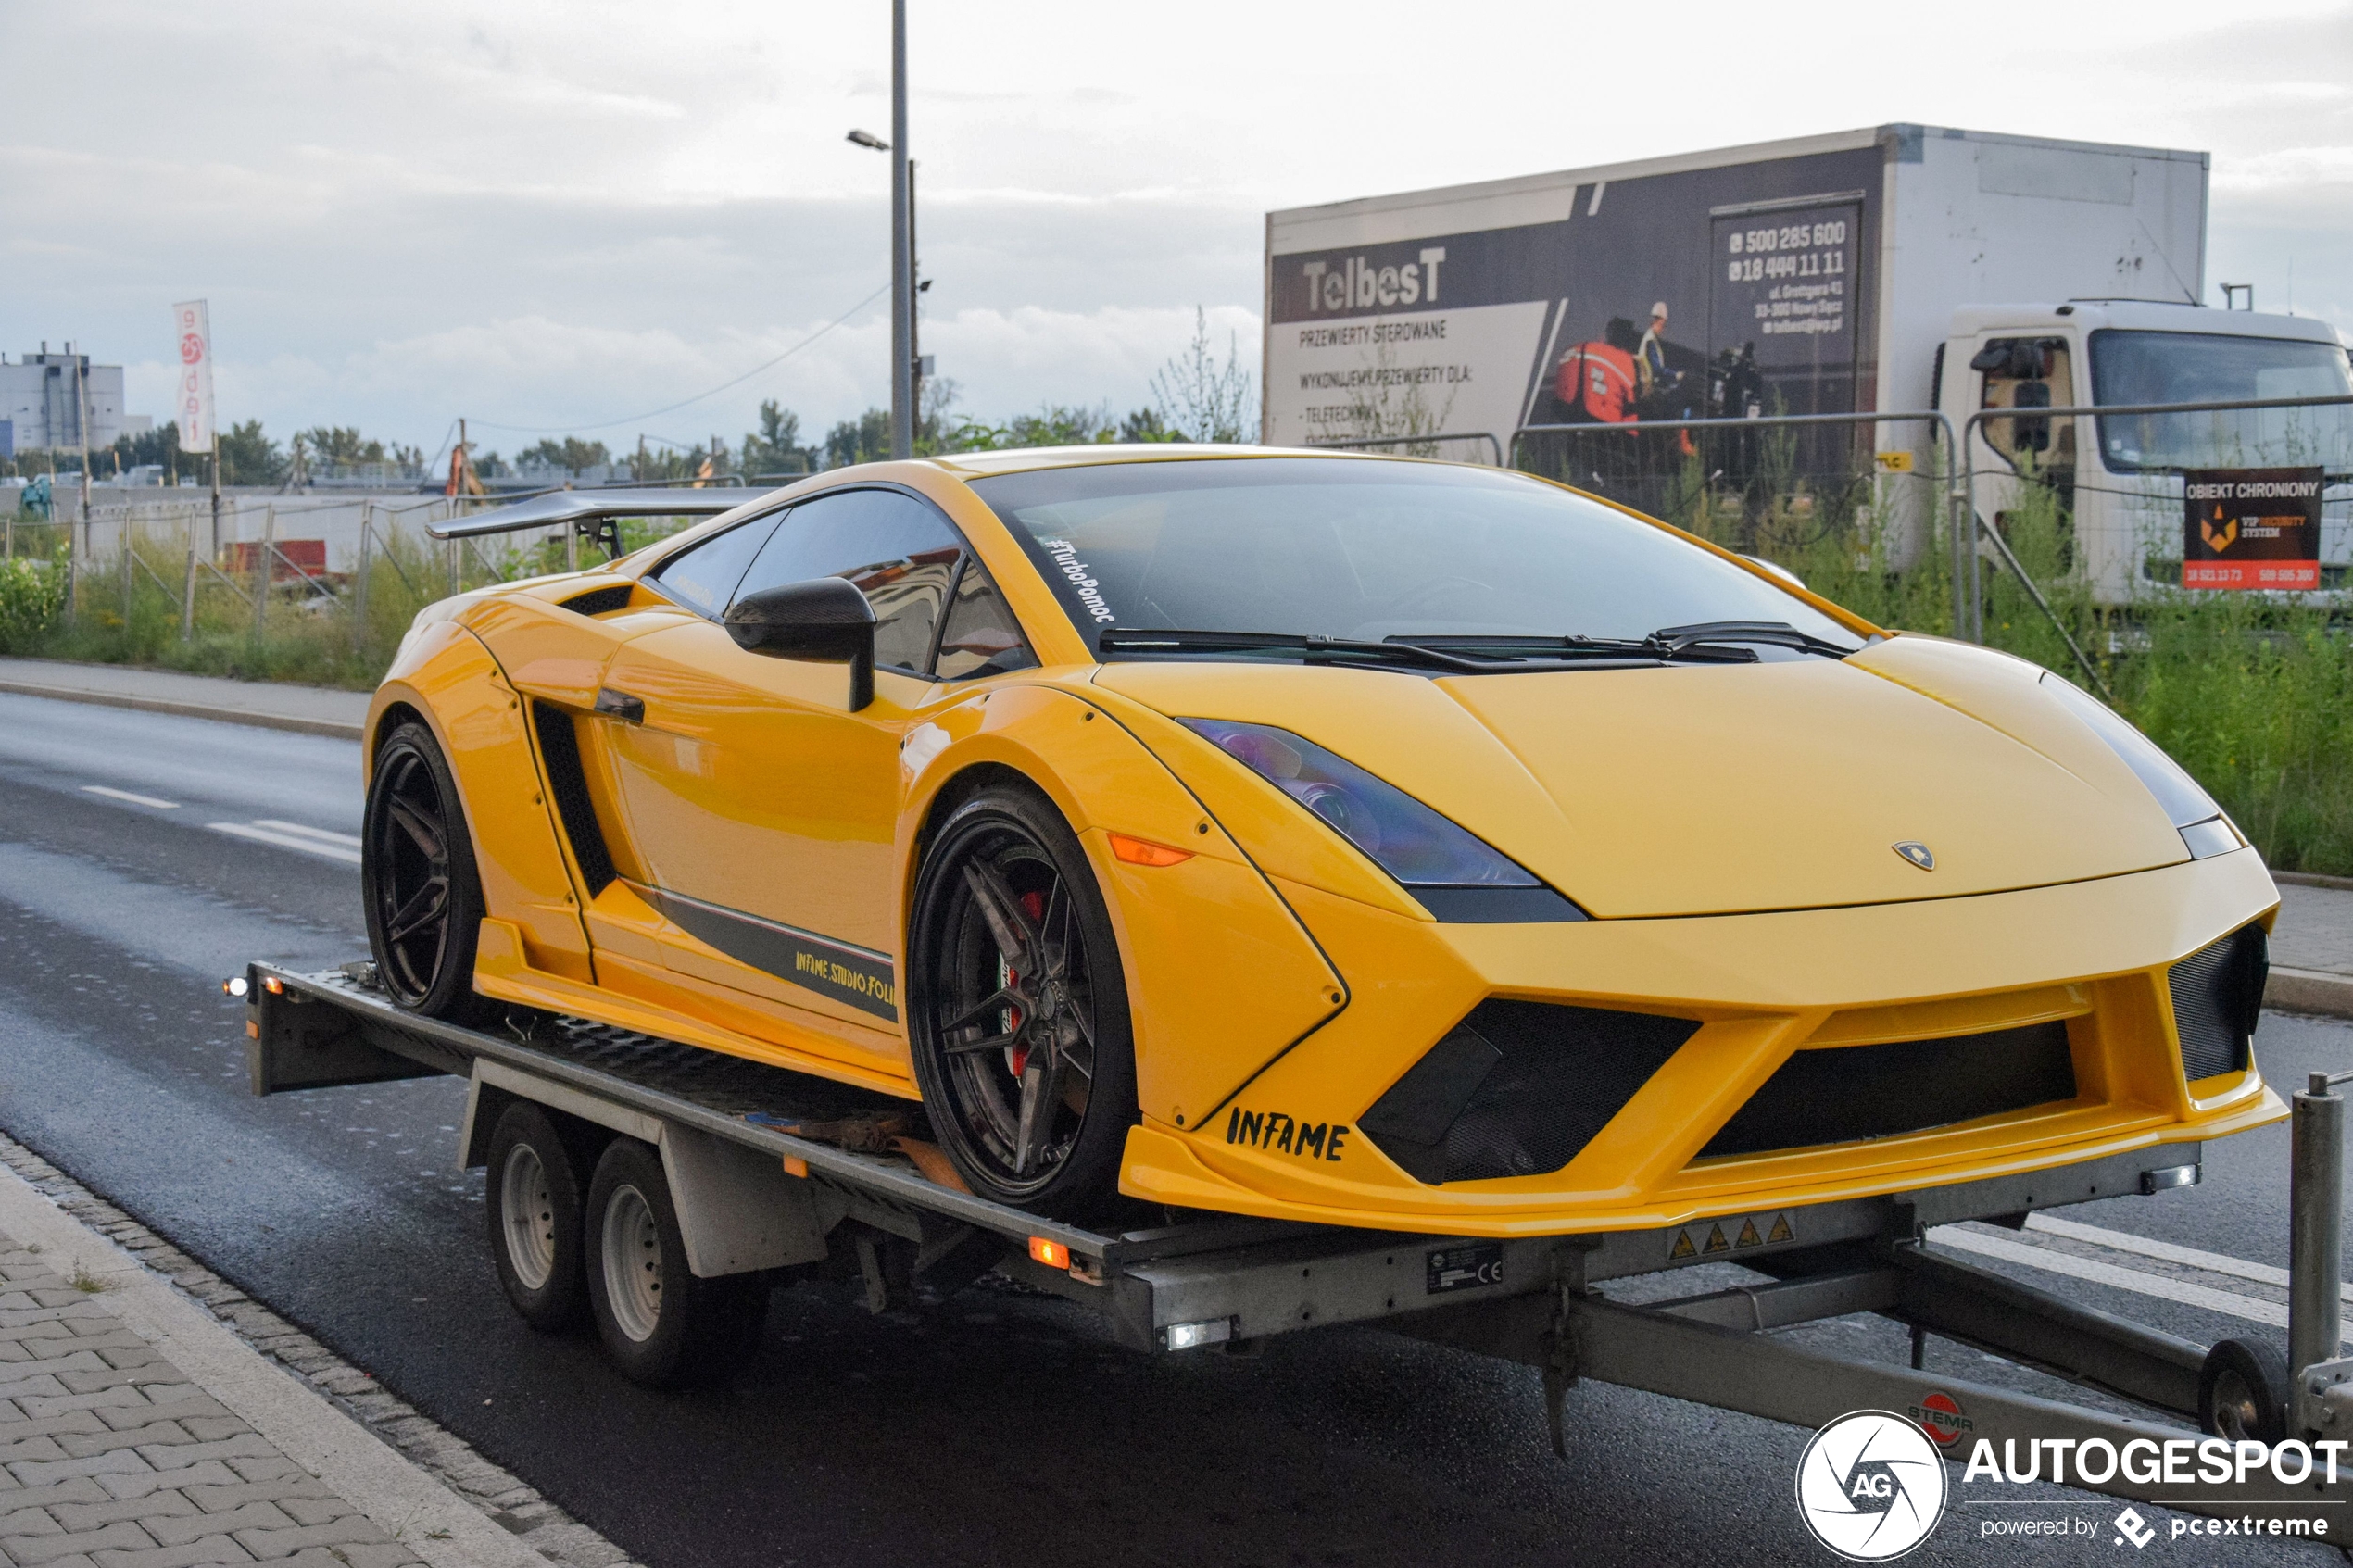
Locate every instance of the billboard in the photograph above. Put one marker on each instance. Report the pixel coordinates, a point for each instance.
(192, 324)
(1737, 289)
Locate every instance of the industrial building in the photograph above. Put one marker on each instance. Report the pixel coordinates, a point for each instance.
(43, 397)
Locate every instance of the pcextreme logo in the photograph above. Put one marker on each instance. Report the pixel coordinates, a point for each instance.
(1871, 1486)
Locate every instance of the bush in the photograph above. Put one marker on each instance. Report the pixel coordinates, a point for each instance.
(33, 595)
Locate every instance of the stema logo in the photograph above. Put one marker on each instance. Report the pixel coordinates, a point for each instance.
(1871, 1486)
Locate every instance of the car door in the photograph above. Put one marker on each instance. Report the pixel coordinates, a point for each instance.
(762, 810)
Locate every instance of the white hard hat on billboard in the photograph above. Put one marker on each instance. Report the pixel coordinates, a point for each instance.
(1659, 309)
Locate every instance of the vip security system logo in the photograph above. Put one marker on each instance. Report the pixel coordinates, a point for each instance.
(1871, 1486)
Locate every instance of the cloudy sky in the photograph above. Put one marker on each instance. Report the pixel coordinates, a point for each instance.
(568, 217)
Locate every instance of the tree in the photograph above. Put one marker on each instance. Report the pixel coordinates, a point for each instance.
(570, 453)
(340, 444)
(1145, 424)
(865, 439)
(776, 447)
(248, 456)
(1202, 400)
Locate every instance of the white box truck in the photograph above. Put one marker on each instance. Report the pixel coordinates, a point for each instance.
(1870, 269)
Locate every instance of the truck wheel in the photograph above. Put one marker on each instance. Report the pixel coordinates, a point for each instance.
(418, 880)
(2243, 1391)
(533, 1210)
(1018, 1009)
(663, 1327)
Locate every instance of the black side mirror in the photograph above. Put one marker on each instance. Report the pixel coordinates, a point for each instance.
(2032, 434)
(826, 619)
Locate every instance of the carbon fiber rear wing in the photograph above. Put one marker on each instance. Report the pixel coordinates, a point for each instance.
(596, 514)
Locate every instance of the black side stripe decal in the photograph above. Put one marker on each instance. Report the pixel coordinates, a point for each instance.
(856, 975)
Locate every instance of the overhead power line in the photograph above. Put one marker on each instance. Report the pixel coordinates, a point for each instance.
(673, 408)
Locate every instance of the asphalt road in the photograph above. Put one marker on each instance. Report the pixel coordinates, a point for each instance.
(998, 1428)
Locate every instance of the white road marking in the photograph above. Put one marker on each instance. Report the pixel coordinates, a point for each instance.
(134, 799)
(348, 840)
(2124, 1241)
(287, 841)
(2227, 1302)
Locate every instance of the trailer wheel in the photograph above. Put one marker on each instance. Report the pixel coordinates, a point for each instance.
(663, 1327)
(534, 1212)
(418, 880)
(2243, 1391)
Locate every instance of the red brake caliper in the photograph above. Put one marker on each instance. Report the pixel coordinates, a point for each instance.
(1034, 906)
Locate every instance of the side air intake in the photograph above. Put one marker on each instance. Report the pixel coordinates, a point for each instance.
(599, 601)
(1518, 1088)
(568, 782)
(2218, 996)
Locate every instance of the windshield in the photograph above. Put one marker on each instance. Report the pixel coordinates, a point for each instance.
(1365, 549)
(2135, 367)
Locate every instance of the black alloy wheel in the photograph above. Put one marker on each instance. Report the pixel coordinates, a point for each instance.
(419, 883)
(1019, 1011)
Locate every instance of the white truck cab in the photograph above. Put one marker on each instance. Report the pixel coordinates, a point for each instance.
(2119, 476)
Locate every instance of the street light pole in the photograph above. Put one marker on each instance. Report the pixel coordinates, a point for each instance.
(902, 283)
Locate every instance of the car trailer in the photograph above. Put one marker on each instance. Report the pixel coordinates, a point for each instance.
(769, 1171)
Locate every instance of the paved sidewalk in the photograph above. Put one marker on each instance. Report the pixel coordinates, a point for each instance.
(142, 1426)
(113, 1456)
(320, 710)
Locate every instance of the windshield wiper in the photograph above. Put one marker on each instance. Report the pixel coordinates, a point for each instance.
(1674, 642)
(1312, 648)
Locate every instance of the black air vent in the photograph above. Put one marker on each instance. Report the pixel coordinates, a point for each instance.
(1518, 1088)
(1849, 1093)
(2218, 996)
(599, 601)
(560, 748)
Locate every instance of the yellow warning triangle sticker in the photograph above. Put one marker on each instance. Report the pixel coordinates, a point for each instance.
(1716, 1242)
(1748, 1236)
(1780, 1231)
(1682, 1248)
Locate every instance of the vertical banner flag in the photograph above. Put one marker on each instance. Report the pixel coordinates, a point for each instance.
(193, 326)
(2251, 528)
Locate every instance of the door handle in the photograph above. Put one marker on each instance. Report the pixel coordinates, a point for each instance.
(621, 704)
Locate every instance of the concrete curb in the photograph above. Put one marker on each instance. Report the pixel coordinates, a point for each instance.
(327, 727)
(2312, 879)
(2309, 990)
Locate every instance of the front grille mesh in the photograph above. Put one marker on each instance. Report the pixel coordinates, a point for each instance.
(2218, 996)
(1518, 1088)
(1846, 1094)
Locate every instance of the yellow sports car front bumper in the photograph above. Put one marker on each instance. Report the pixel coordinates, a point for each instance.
(1993, 972)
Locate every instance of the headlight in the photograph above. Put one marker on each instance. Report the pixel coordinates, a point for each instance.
(1454, 874)
(2201, 824)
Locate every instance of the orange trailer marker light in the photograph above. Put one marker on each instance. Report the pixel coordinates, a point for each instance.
(1143, 852)
(274, 985)
(795, 1165)
(1053, 1254)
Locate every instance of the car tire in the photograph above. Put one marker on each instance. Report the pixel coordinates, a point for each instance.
(532, 1201)
(418, 880)
(2244, 1391)
(1050, 1144)
(661, 1326)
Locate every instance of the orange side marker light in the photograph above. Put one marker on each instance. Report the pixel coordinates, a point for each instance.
(795, 1166)
(1143, 852)
(1053, 1254)
(274, 985)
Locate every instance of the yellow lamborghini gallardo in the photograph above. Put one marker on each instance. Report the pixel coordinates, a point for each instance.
(1340, 838)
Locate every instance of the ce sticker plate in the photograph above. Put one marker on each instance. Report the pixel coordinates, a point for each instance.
(1466, 1267)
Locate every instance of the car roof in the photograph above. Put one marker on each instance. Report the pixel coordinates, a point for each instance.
(976, 465)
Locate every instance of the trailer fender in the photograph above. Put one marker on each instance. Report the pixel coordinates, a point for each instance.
(738, 1212)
